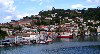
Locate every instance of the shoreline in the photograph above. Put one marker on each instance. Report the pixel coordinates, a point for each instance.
(82, 43)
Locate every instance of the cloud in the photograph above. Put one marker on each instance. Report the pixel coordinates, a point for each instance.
(7, 5)
(11, 9)
(9, 12)
(22, 15)
(41, 2)
(8, 18)
(77, 6)
(93, 1)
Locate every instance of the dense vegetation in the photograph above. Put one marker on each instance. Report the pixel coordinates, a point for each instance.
(87, 14)
(92, 13)
(60, 14)
(2, 34)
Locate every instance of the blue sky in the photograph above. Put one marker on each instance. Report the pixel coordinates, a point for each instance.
(16, 9)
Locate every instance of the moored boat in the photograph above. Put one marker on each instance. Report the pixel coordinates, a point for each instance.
(65, 35)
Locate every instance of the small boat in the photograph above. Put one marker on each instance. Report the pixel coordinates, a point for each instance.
(42, 42)
(1, 46)
(65, 35)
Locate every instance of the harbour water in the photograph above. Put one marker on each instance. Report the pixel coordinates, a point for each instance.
(59, 47)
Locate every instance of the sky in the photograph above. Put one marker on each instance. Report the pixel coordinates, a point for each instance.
(17, 9)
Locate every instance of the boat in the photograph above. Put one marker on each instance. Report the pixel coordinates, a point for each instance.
(1, 46)
(65, 35)
(42, 42)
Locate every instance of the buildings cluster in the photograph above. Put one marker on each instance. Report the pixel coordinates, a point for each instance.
(57, 25)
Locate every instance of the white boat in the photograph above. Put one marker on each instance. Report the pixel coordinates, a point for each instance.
(65, 35)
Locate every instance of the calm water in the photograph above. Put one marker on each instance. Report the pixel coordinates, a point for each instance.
(55, 48)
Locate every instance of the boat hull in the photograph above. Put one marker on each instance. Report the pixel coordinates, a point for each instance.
(65, 37)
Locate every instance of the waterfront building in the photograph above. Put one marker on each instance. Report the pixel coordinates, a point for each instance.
(12, 39)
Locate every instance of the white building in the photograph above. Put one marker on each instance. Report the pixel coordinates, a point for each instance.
(14, 39)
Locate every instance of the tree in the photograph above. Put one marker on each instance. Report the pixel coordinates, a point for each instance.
(92, 14)
(3, 34)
